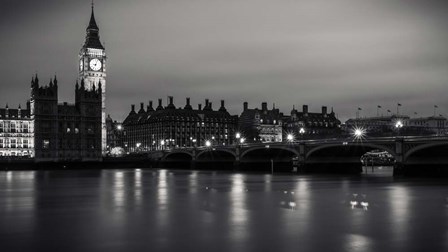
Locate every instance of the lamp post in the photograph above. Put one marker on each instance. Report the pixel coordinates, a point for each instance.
(237, 136)
(301, 132)
(290, 138)
(398, 126)
(208, 143)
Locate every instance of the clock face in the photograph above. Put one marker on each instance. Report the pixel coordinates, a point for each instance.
(95, 64)
(81, 65)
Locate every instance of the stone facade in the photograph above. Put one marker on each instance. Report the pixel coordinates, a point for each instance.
(170, 127)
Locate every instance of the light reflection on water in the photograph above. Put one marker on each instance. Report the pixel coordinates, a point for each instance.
(199, 210)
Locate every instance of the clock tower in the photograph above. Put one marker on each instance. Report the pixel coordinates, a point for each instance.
(92, 69)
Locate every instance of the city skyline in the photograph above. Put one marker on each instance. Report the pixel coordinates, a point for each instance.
(384, 53)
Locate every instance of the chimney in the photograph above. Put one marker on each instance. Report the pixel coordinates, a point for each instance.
(210, 106)
(324, 110)
(160, 107)
(132, 107)
(206, 103)
(150, 108)
(305, 109)
(188, 106)
(264, 106)
(142, 110)
(245, 106)
(222, 108)
(171, 100)
(199, 106)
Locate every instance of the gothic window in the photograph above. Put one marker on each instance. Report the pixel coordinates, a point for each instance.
(1, 143)
(1, 127)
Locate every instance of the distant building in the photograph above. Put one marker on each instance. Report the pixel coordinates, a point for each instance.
(437, 125)
(387, 125)
(171, 127)
(16, 132)
(312, 125)
(377, 125)
(261, 125)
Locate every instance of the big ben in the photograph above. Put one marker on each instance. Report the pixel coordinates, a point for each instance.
(92, 69)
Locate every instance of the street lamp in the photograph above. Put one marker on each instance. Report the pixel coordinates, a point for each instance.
(162, 143)
(119, 127)
(208, 143)
(242, 140)
(290, 137)
(398, 125)
(301, 132)
(359, 133)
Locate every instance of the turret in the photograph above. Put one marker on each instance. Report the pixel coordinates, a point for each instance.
(150, 108)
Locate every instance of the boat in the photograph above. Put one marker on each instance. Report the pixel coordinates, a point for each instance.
(377, 157)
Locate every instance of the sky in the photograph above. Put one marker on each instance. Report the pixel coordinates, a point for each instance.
(345, 54)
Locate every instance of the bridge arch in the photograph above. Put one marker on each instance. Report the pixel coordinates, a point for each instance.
(365, 146)
(423, 147)
(183, 154)
(215, 151)
(286, 148)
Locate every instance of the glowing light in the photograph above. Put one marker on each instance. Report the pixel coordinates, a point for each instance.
(238, 135)
(359, 133)
(302, 131)
(242, 140)
(399, 124)
(208, 143)
(162, 142)
(119, 127)
(290, 137)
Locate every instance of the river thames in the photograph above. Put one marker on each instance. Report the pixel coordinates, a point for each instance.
(180, 210)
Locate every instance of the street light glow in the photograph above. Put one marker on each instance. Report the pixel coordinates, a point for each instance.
(302, 131)
(208, 143)
(398, 125)
(119, 127)
(162, 142)
(290, 137)
(238, 135)
(359, 133)
(242, 140)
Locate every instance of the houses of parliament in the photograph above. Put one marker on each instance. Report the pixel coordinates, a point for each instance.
(48, 130)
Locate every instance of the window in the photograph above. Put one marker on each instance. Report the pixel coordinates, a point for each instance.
(1, 143)
(13, 127)
(1, 127)
(25, 143)
(13, 143)
(45, 144)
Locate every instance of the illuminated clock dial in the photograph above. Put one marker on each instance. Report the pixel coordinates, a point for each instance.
(95, 64)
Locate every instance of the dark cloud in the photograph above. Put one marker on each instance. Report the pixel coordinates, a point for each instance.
(342, 53)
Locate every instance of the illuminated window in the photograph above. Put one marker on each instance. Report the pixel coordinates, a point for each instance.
(13, 143)
(45, 144)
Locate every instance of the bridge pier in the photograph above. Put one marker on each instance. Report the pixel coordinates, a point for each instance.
(398, 170)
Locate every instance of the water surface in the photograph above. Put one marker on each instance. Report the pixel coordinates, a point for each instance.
(165, 210)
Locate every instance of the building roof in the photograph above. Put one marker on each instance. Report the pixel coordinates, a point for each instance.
(14, 113)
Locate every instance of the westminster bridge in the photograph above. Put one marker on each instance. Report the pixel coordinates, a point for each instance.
(331, 155)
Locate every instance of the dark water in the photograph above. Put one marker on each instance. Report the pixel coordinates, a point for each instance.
(162, 210)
